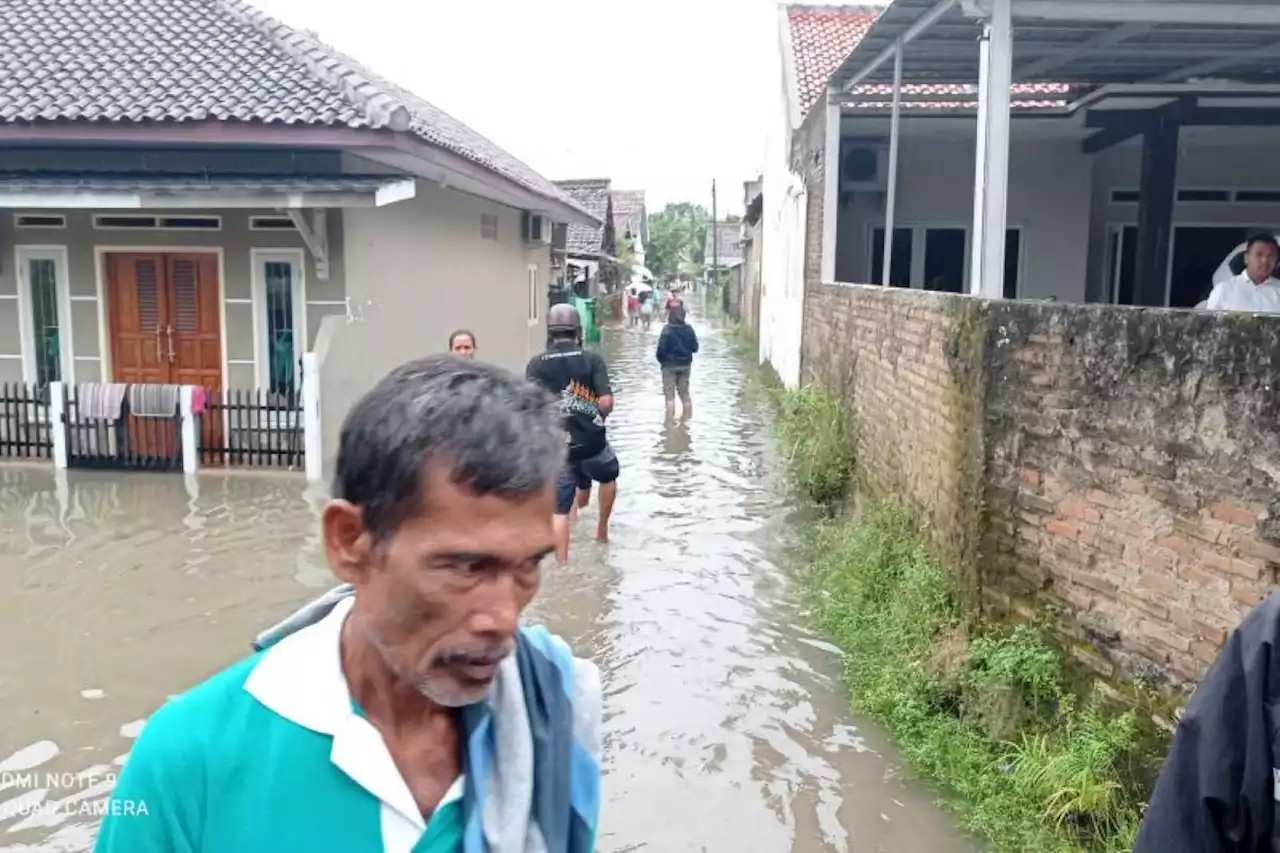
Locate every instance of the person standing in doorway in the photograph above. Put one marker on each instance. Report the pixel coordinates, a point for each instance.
(677, 346)
(462, 343)
(581, 380)
(1256, 288)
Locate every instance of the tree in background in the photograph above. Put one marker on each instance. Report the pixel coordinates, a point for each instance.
(677, 235)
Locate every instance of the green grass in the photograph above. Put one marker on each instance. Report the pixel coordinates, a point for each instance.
(816, 441)
(981, 712)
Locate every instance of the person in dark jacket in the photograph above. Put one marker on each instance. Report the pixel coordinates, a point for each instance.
(1219, 789)
(677, 345)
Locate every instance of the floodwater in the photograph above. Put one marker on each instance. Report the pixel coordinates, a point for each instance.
(726, 728)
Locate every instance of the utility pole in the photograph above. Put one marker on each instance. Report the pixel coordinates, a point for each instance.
(715, 245)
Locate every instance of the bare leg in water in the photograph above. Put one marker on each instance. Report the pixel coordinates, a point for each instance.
(608, 494)
(560, 527)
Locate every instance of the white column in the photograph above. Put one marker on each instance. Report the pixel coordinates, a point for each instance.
(58, 423)
(190, 435)
(831, 192)
(1000, 73)
(312, 463)
(976, 242)
(891, 201)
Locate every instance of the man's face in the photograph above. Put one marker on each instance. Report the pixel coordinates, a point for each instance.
(464, 346)
(440, 599)
(1260, 261)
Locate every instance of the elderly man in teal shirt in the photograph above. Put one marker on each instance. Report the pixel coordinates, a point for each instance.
(408, 711)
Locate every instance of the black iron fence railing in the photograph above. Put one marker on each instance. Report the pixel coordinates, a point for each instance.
(25, 428)
(123, 441)
(252, 428)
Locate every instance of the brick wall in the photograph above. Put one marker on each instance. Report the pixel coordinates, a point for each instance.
(1121, 464)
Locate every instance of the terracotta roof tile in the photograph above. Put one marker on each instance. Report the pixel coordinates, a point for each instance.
(821, 38)
(201, 60)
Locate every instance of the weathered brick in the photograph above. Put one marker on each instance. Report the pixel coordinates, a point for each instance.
(1249, 546)
(1234, 514)
(1101, 498)
(1076, 508)
(1061, 528)
(1204, 651)
(1244, 568)
(1164, 636)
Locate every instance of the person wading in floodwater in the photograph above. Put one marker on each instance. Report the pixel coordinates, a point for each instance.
(581, 379)
(463, 343)
(407, 709)
(677, 346)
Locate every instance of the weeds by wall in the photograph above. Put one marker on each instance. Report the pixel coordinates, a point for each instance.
(984, 711)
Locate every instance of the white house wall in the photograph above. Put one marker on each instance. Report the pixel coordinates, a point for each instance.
(1049, 199)
(1200, 166)
(782, 228)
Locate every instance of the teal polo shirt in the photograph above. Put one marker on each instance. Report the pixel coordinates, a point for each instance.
(271, 756)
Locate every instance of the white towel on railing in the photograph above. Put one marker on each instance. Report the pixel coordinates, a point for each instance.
(154, 401)
(100, 401)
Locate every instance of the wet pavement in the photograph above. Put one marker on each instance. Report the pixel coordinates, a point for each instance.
(726, 728)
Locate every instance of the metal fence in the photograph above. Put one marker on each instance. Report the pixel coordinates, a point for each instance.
(25, 428)
(252, 428)
(127, 443)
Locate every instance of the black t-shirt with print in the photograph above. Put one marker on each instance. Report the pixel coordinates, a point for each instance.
(580, 378)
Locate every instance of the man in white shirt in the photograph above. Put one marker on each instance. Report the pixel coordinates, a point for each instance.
(1256, 289)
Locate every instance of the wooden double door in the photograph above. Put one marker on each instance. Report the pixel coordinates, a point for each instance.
(165, 324)
(165, 319)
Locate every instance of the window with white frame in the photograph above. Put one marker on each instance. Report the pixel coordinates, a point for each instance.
(44, 309)
(279, 320)
(534, 295)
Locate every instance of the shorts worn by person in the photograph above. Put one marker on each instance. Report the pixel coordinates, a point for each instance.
(580, 380)
(677, 346)
(408, 711)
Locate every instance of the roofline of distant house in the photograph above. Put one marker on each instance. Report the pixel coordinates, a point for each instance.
(220, 132)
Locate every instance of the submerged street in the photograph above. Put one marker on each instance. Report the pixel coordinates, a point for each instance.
(726, 728)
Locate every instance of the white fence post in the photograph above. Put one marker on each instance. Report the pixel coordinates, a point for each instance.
(190, 447)
(58, 423)
(312, 462)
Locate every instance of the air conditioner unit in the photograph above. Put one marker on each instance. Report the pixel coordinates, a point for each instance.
(864, 167)
(535, 228)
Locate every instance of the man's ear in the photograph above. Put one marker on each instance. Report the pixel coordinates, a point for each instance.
(348, 545)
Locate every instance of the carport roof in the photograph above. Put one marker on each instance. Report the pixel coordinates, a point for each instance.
(1081, 42)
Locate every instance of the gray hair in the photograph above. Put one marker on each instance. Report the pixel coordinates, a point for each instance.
(497, 433)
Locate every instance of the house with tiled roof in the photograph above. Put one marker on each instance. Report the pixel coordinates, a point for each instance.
(631, 220)
(195, 193)
(1091, 100)
(589, 249)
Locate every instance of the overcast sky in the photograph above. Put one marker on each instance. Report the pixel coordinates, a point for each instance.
(659, 95)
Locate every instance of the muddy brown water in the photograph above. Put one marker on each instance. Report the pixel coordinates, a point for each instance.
(726, 726)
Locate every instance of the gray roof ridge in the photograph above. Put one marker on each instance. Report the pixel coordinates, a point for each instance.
(365, 90)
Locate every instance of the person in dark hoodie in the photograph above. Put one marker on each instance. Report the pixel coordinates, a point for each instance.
(1219, 788)
(677, 346)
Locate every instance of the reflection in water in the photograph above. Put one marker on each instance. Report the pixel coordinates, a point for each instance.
(725, 727)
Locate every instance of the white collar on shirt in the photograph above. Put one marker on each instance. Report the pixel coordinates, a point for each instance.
(1243, 278)
(301, 679)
